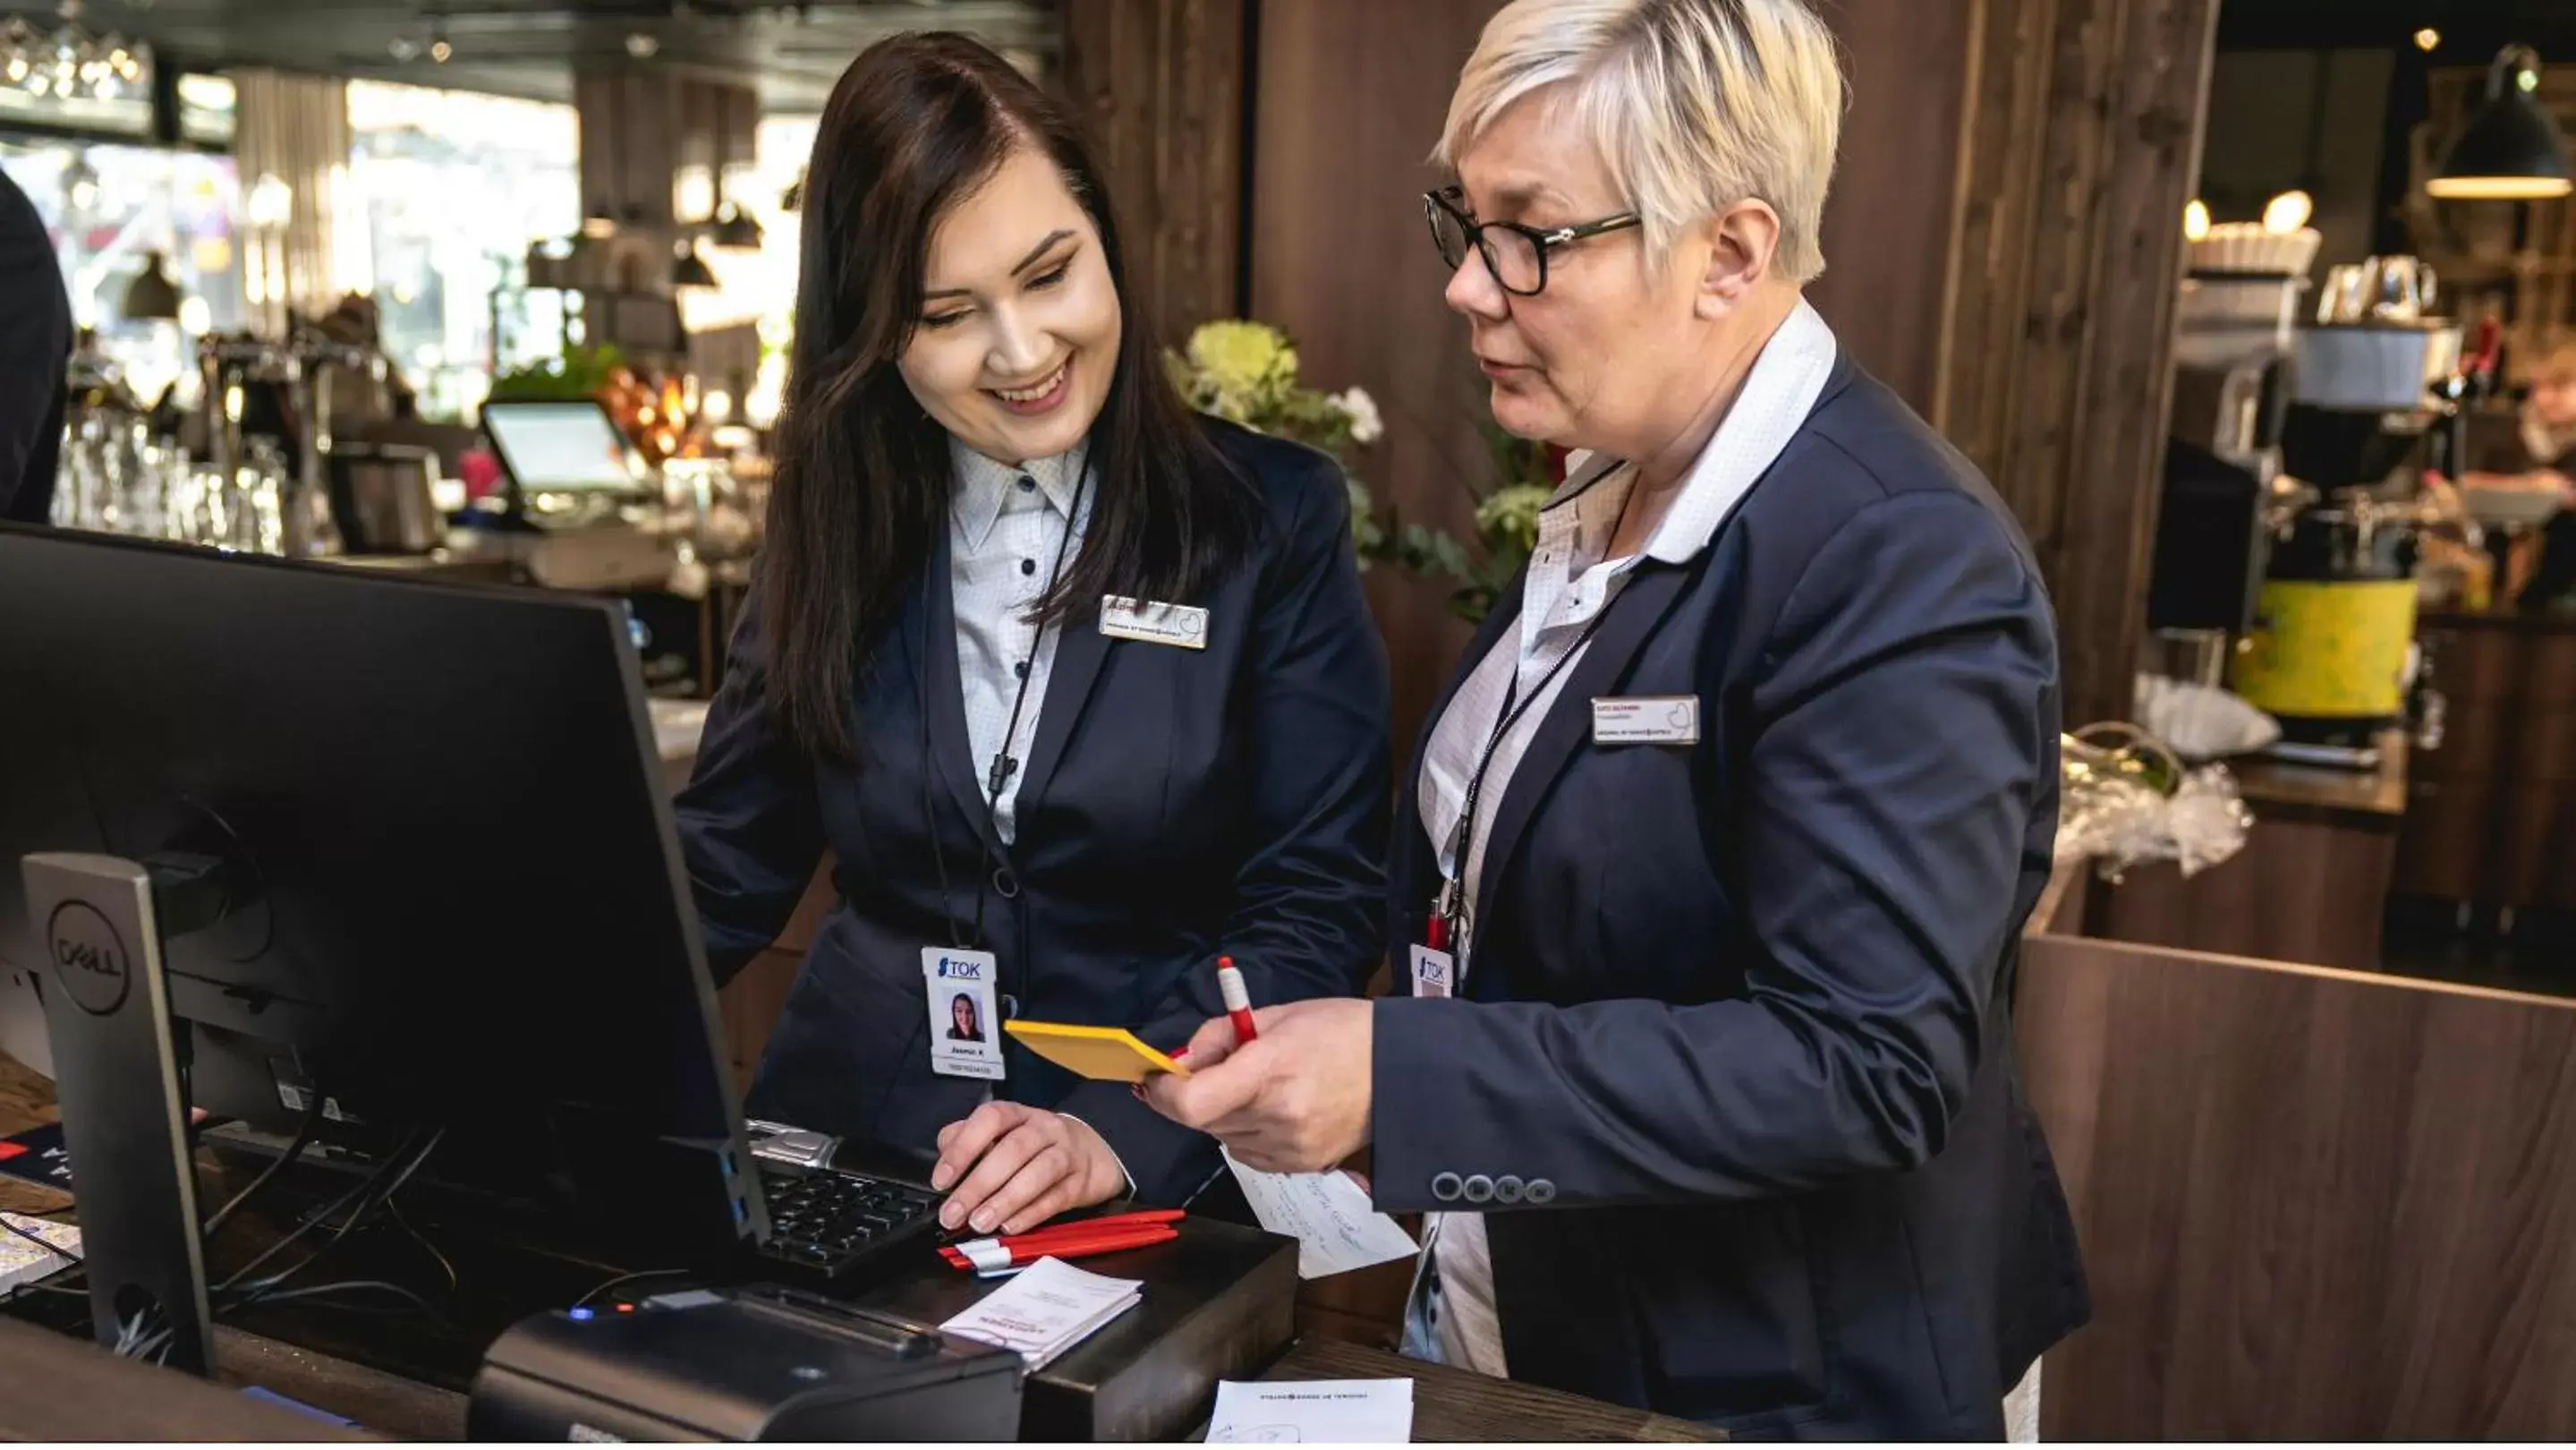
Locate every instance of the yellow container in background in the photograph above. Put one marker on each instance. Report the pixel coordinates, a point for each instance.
(2332, 651)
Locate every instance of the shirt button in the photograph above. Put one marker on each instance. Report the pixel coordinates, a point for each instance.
(1028, 484)
(1021, 669)
(1028, 566)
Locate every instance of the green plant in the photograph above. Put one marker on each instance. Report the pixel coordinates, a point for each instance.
(1506, 515)
(1246, 372)
(581, 372)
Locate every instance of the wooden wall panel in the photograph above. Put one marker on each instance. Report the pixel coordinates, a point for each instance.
(2080, 147)
(2314, 1205)
(1160, 84)
(1889, 218)
(1351, 97)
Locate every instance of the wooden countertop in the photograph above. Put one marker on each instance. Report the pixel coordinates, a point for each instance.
(91, 1395)
(2311, 788)
(2544, 622)
(1453, 1406)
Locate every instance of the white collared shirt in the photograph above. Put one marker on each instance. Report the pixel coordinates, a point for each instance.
(1005, 526)
(1569, 584)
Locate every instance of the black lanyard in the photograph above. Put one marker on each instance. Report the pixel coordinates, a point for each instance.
(1451, 906)
(1004, 765)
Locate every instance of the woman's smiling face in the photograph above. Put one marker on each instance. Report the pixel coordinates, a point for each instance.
(1020, 323)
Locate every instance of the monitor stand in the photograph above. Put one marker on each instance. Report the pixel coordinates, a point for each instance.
(116, 1073)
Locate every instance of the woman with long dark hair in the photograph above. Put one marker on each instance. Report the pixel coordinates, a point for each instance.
(1077, 688)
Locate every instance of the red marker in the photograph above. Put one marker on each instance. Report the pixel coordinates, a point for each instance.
(1238, 999)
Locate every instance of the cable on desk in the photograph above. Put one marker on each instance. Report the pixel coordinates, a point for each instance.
(422, 1239)
(294, 1150)
(357, 1202)
(352, 1286)
(273, 1288)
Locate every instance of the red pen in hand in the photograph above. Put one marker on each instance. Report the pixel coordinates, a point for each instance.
(1238, 999)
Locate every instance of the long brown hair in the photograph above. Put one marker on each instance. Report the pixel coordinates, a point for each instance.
(916, 123)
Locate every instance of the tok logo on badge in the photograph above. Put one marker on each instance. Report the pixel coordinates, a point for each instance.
(961, 971)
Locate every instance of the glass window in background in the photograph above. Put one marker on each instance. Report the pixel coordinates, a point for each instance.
(759, 287)
(455, 186)
(111, 209)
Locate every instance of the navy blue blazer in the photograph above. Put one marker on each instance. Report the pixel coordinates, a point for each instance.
(1176, 804)
(1739, 1014)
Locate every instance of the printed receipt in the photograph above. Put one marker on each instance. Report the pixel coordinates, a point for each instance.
(1051, 1307)
(1313, 1412)
(1336, 1228)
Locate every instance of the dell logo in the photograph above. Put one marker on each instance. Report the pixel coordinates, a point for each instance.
(89, 958)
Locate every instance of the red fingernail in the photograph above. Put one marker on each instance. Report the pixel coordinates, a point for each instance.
(1177, 1053)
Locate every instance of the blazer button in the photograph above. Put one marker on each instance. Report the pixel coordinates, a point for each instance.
(1444, 1187)
(1479, 1189)
(1507, 1189)
(1540, 1191)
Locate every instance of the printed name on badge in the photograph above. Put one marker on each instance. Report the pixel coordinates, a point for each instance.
(1182, 626)
(965, 1031)
(1646, 720)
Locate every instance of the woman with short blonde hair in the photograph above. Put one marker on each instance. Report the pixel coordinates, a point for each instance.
(1712, 869)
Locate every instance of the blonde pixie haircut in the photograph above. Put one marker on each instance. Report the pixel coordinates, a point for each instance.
(1694, 104)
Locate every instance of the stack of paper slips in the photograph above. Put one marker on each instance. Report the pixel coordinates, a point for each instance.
(1049, 1308)
(22, 1262)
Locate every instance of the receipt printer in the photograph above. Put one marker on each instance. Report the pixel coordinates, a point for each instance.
(743, 1364)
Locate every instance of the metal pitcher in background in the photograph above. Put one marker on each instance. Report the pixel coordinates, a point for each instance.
(2378, 289)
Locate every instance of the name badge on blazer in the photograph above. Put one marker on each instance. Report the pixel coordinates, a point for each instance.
(1645, 720)
(1181, 626)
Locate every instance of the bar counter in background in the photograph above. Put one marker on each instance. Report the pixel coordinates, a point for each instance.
(2310, 886)
(2491, 815)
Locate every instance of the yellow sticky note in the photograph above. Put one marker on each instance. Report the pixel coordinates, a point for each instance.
(1103, 1054)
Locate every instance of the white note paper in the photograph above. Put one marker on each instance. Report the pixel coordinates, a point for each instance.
(1313, 1412)
(1049, 1308)
(1336, 1228)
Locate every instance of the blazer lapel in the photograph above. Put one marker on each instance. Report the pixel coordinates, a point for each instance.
(1080, 651)
(934, 648)
(1640, 607)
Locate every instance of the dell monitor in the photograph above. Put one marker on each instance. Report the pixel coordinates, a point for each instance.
(411, 850)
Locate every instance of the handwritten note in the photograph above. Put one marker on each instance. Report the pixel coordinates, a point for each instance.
(1313, 1412)
(1336, 1228)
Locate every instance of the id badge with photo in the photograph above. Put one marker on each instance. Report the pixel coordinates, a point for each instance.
(965, 1025)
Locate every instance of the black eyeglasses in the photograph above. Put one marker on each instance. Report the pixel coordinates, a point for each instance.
(1516, 255)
